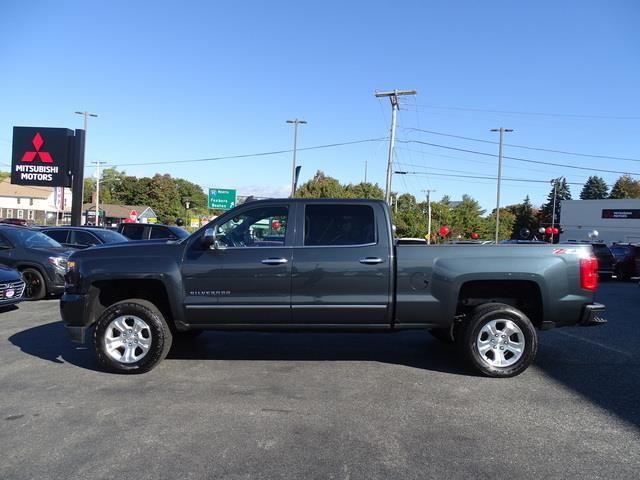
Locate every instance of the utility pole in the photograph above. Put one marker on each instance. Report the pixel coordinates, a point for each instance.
(553, 214)
(295, 122)
(365, 171)
(393, 97)
(428, 192)
(502, 131)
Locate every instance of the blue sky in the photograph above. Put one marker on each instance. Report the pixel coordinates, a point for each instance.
(190, 80)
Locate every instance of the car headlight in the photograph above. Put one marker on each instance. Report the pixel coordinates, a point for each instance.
(59, 262)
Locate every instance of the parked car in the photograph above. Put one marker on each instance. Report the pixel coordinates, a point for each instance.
(151, 231)
(83, 237)
(336, 267)
(11, 286)
(16, 221)
(41, 260)
(627, 257)
(606, 260)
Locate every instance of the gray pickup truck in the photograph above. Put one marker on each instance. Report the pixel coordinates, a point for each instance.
(305, 264)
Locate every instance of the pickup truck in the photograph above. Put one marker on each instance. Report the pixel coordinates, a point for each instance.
(324, 264)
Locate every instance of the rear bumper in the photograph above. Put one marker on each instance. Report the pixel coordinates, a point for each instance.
(592, 315)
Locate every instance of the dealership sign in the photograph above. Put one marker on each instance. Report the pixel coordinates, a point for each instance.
(41, 156)
(621, 214)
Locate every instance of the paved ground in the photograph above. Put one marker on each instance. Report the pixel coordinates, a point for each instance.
(294, 406)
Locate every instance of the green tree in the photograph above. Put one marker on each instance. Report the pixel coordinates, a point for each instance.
(595, 188)
(364, 190)
(625, 187)
(507, 219)
(562, 192)
(524, 218)
(321, 186)
(467, 218)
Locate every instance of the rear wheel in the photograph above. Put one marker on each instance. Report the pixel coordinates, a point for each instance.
(499, 341)
(131, 336)
(35, 287)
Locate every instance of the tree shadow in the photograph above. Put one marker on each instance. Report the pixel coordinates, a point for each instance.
(414, 349)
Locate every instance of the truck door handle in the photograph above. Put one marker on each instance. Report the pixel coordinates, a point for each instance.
(371, 260)
(274, 261)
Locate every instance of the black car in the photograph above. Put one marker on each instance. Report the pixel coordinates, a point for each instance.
(11, 286)
(606, 260)
(627, 260)
(151, 231)
(41, 260)
(83, 237)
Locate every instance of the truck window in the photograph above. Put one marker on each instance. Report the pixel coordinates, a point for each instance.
(258, 227)
(328, 225)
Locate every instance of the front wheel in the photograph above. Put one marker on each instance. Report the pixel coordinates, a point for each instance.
(131, 336)
(35, 287)
(499, 341)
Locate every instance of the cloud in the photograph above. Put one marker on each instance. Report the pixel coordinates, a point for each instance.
(269, 191)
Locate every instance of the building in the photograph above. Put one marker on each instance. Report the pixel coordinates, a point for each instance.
(111, 215)
(39, 205)
(614, 220)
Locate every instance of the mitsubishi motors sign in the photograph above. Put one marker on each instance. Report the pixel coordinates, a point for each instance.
(41, 156)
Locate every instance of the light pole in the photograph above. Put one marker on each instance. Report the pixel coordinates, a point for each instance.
(428, 192)
(86, 114)
(295, 122)
(97, 163)
(502, 131)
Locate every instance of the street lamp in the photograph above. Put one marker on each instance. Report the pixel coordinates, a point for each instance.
(295, 122)
(502, 131)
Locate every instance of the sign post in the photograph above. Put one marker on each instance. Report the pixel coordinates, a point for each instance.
(222, 198)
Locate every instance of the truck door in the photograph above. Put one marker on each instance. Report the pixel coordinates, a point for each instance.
(342, 271)
(247, 282)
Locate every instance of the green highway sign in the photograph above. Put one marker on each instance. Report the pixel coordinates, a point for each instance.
(222, 198)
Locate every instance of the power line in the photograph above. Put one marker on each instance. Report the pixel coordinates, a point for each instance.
(564, 152)
(534, 114)
(519, 159)
(483, 177)
(249, 155)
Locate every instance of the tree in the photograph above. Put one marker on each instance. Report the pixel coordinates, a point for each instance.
(595, 188)
(364, 190)
(507, 220)
(562, 192)
(625, 187)
(467, 218)
(524, 218)
(321, 186)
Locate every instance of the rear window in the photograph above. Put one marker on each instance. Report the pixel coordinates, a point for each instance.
(59, 236)
(334, 225)
(134, 232)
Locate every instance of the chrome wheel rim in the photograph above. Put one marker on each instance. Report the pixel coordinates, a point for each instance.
(500, 343)
(127, 339)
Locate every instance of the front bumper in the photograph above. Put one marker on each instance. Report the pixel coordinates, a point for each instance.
(592, 315)
(75, 312)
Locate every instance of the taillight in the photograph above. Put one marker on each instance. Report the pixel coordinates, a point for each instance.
(589, 273)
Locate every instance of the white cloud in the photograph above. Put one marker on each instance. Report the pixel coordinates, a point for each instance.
(260, 190)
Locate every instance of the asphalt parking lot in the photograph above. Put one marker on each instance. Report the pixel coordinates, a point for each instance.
(349, 406)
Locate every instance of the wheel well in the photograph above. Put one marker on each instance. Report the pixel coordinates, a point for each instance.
(108, 292)
(521, 294)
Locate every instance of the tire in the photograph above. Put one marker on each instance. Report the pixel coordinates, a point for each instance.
(35, 287)
(131, 336)
(499, 340)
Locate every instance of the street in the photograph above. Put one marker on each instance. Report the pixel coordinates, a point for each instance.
(347, 406)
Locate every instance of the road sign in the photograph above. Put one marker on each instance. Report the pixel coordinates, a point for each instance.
(41, 156)
(222, 198)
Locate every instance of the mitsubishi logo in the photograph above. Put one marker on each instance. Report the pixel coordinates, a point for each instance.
(37, 141)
